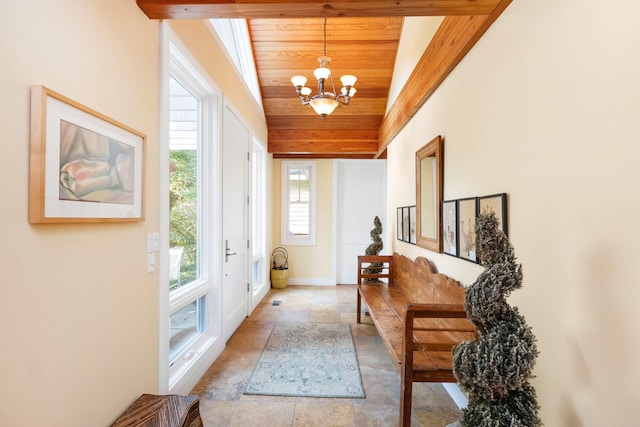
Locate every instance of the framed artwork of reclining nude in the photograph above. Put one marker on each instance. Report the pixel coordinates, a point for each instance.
(83, 165)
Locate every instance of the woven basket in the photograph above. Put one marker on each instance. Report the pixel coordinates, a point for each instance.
(279, 268)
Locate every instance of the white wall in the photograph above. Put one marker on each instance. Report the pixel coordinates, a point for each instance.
(545, 108)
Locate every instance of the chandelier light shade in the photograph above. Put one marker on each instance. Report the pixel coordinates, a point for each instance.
(323, 105)
(325, 102)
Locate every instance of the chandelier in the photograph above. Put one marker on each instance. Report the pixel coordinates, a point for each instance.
(324, 102)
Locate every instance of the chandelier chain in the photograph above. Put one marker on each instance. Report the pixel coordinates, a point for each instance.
(333, 86)
(325, 37)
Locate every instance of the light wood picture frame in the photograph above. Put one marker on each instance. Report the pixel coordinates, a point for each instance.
(84, 167)
(429, 193)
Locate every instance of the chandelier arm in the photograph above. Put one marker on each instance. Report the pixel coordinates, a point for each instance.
(342, 99)
(303, 98)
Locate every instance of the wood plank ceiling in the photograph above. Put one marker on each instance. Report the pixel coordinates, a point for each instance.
(364, 47)
(362, 39)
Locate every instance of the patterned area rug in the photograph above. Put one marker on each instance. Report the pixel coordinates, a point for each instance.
(308, 360)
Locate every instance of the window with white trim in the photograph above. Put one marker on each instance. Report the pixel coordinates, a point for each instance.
(298, 203)
(258, 212)
(192, 123)
(234, 35)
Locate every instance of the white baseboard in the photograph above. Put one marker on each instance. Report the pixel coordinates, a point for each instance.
(456, 394)
(311, 282)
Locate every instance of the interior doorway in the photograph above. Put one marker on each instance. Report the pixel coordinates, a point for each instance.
(361, 195)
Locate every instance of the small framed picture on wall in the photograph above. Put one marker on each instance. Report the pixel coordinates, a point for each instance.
(496, 203)
(467, 209)
(399, 224)
(450, 227)
(405, 224)
(412, 224)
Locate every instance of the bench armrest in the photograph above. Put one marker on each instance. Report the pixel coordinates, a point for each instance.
(432, 311)
(436, 311)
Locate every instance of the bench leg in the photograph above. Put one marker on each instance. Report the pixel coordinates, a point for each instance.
(406, 376)
(406, 389)
(358, 306)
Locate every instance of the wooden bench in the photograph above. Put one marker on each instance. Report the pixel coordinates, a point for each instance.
(151, 410)
(420, 316)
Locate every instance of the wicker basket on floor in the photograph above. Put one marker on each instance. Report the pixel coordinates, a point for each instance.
(279, 268)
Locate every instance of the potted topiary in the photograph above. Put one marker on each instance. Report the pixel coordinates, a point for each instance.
(495, 369)
(374, 249)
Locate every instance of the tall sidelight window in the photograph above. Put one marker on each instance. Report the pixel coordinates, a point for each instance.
(190, 284)
(184, 119)
(298, 203)
(258, 213)
(187, 323)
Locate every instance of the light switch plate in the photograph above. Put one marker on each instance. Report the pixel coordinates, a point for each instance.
(153, 242)
(151, 262)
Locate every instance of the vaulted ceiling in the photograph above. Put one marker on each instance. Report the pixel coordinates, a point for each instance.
(362, 39)
(364, 47)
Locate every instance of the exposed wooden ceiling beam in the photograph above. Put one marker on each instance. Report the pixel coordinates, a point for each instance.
(334, 121)
(453, 40)
(326, 142)
(203, 9)
(324, 147)
(325, 156)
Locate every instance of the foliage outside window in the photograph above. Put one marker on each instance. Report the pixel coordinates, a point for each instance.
(183, 213)
(183, 181)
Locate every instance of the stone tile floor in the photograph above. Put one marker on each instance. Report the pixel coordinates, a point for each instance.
(221, 389)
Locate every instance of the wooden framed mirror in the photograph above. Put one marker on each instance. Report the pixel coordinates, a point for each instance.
(429, 190)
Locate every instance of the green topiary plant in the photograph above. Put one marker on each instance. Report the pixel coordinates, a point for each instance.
(374, 249)
(496, 368)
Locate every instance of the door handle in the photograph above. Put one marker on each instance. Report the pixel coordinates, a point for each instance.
(227, 254)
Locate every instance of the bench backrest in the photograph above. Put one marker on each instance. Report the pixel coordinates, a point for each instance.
(420, 280)
(375, 268)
